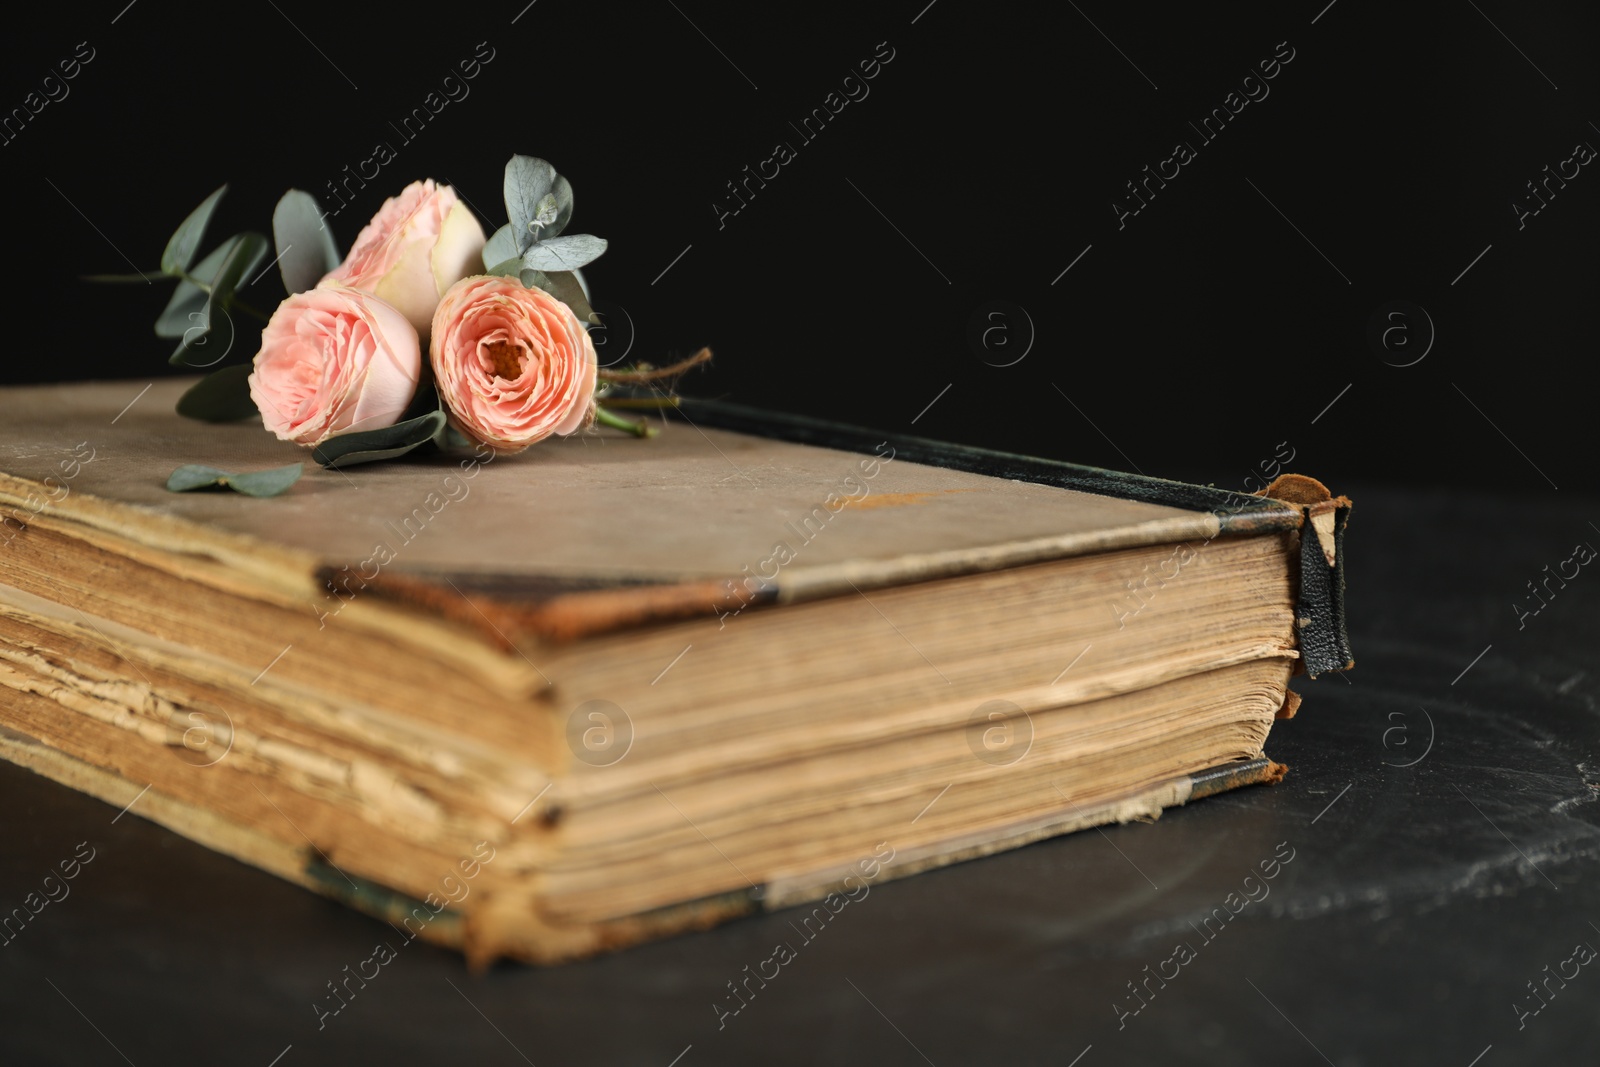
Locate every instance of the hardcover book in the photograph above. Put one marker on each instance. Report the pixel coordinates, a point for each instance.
(545, 705)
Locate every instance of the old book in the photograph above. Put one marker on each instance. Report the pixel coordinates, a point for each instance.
(544, 705)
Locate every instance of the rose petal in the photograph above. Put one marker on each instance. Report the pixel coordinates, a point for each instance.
(555, 388)
(334, 358)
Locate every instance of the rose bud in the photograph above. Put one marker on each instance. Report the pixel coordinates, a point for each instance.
(419, 244)
(514, 365)
(334, 360)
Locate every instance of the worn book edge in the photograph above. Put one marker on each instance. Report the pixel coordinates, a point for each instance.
(304, 867)
(1292, 502)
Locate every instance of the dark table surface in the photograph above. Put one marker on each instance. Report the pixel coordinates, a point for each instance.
(1441, 813)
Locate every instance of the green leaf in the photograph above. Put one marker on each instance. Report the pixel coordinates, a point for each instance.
(369, 446)
(450, 437)
(250, 248)
(194, 476)
(211, 333)
(222, 396)
(563, 209)
(208, 341)
(186, 301)
(189, 298)
(528, 181)
(306, 250)
(564, 253)
(501, 246)
(509, 268)
(545, 214)
(565, 286)
(144, 277)
(270, 482)
(186, 241)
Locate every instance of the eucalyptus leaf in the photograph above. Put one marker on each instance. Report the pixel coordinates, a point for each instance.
(369, 446)
(563, 212)
(546, 212)
(565, 286)
(250, 248)
(207, 341)
(221, 396)
(501, 246)
(509, 268)
(174, 320)
(306, 250)
(374, 455)
(185, 302)
(189, 298)
(211, 333)
(195, 476)
(450, 437)
(270, 482)
(183, 244)
(528, 181)
(564, 253)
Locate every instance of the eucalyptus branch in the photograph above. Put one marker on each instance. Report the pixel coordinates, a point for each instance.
(232, 301)
(204, 287)
(655, 374)
(254, 313)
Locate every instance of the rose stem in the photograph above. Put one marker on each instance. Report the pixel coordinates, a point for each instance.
(617, 422)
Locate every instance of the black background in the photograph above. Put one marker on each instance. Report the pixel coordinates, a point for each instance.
(1194, 342)
(1191, 342)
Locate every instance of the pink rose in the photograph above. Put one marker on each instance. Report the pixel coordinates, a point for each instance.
(334, 360)
(419, 244)
(514, 365)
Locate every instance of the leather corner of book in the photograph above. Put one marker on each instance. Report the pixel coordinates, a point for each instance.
(1260, 771)
(1318, 506)
(1320, 626)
